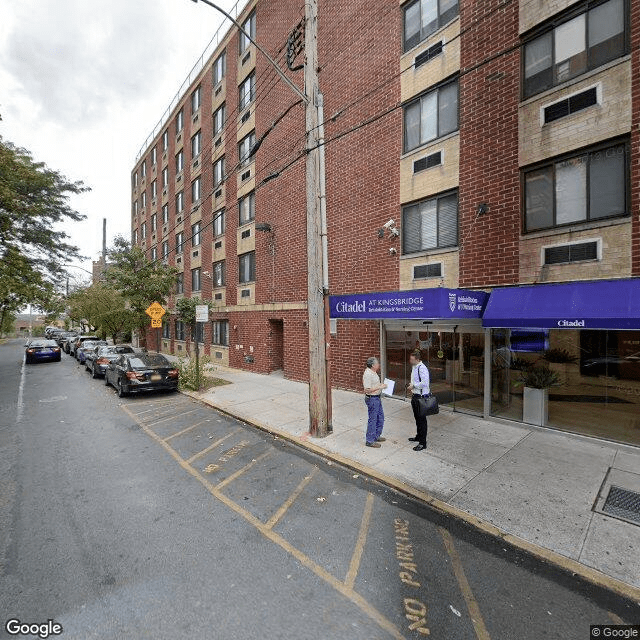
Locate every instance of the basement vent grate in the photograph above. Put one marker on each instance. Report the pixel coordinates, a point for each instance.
(623, 504)
(196, 163)
(218, 142)
(433, 51)
(246, 58)
(245, 293)
(218, 90)
(218, 245)
(246, 116)
(571, 105)
(218, 296)
(218, 193)
(432, 160)
(433, 270)
(579, 252)
(246, 234)
(246, 175)
(219, 355)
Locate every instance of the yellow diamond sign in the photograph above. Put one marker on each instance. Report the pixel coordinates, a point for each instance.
(155, 311)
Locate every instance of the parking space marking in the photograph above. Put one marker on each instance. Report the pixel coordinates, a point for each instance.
(211, 446)
(354, 565)
(171, 417)
(244, 469)
(159, 406)
(180, 433)
(355, 598)
(472, 604)
(277, 516)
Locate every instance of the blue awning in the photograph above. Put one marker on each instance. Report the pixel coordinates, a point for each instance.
(603, 304)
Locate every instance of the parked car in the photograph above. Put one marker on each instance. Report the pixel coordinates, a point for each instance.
(86, 346)
(40, 350)
(138, 372)
(75, 344)
(61, 337)
(97, 360)
(66, 345)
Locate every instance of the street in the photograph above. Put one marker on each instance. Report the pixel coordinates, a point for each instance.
(157, 517)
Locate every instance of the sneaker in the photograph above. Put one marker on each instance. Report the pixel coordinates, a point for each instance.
(375, 445)
(381, 439)
(420, 447)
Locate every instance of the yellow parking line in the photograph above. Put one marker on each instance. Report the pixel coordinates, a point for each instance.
(211, 446)
(354, 565)
(239, 472)
(275, 518)
(472, 603)
(155, 407)
(193, 426)
(273, 537)
(173, 415)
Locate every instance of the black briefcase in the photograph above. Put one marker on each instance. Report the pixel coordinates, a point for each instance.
(429, 406)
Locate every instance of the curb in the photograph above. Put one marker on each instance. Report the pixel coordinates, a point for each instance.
(568, 565)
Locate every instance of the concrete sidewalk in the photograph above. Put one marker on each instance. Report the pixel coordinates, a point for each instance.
(536, 484)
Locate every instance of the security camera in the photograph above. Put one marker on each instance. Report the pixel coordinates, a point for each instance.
(206, 273)
(393, 251)
(394, 233)
(389, 224)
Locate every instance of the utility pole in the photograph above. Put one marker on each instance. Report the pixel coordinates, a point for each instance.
(319, 387)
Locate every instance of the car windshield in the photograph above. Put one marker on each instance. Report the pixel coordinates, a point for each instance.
(148, 361)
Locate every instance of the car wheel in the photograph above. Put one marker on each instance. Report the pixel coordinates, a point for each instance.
(94, 373)
(121, 392)
(58, 359)
(106, 380)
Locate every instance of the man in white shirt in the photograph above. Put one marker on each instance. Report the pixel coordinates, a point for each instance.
(372, 390)
(419, 387)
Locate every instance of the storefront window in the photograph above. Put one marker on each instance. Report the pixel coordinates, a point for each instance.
(598, 388)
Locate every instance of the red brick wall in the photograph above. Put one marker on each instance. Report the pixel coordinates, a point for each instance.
(489, 97)
(355, 341)
(635, 136)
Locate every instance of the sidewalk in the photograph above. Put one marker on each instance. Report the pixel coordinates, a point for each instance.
(538, 485)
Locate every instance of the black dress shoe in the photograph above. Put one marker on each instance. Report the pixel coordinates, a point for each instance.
(413, 439)
(420, 447)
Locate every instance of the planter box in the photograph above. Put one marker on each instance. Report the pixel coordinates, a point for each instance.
(535, 406)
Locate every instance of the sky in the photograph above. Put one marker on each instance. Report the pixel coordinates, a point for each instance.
(83, 83)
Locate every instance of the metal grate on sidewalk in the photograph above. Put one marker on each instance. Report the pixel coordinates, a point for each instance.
(623, 503)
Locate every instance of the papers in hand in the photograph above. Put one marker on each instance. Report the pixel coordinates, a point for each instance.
(390, 386)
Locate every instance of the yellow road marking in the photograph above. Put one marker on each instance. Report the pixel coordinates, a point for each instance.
(158, 406)
(171, 417)
(211, 446)
(472, 603)
(272, 536)
(354, 565)
(244, 469)
(275, 518)
(193, 426)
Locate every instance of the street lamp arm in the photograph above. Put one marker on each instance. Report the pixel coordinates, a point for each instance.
(73, 266)
(274, 64)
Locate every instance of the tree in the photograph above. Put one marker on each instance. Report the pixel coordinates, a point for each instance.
(186, 311)
(139, 280)
(34, 203)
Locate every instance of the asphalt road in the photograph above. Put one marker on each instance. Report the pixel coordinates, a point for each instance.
(157, 517)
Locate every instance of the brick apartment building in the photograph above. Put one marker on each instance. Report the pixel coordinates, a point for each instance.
(502, 137)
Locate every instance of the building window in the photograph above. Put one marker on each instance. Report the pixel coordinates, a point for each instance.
(165, 177)
(180, 202)
(195, 190)
(154, 254)
(165, 139)
(218, 223)
(143, 199)
(424, 17)
(195, 279)
(219, 68)
(143, 169)
(179, 330)
(135, 236)
(197, 332)
(166, 330)
(246, 91)
(179, 121)
(248, 26)
(179, 161)
(196, 145)
(135, 208)
(244, 148)
(575, 45)
(165, 249)
(578, 188)
(196, 98)
(165, 213)
(154, 222)
(247, 208)
(143, 230)
(218, 119)
(430, 224)
(218, 172)
(154, 156)
(135, 179)
(195, 234)
(431, 116)
(220, 333)
(154, 189)
(247, 263)
(179, 242)
(218, 273)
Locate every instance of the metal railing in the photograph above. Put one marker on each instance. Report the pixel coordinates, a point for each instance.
(235, 11)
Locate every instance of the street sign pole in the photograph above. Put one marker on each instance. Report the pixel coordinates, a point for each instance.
(155, 311)
(202, 315)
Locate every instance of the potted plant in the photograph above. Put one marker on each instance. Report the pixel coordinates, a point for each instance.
(562, 362)
(535, 403)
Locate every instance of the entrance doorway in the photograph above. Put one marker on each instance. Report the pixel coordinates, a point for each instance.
(454, 357)
(276, 345)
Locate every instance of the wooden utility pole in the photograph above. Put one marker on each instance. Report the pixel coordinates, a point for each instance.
(319, 387)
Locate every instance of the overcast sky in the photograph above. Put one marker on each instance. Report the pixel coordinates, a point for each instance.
(82, 84)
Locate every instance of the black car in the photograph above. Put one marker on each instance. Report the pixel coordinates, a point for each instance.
(40, 350)
(98, 359)
(137, 372)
